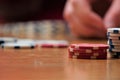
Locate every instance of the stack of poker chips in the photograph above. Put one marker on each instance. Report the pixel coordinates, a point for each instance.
(113, 35)
(88, 51)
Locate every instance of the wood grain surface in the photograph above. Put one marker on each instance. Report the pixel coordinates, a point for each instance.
(54, 64)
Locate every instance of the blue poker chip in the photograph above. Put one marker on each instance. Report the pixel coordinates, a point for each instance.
(1, 41)
(115, 54)
(18, 45)
(7, 39)
(113, 30)
(109, 42)
(111, 46)
(110, 50)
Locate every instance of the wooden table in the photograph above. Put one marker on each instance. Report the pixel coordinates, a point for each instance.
(54, 64)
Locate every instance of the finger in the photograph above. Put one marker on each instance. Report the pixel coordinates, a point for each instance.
(87, 15)
(67, 14)
(112, 17)
(78, 28)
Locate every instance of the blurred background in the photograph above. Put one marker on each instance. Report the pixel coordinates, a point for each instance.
(33, 18)
(24, 10)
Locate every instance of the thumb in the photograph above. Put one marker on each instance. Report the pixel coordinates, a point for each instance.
(112, 17)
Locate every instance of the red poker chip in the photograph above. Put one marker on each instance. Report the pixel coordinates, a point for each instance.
(86, 50)
(52, 46)
(92, 57)
(89, 57)
(86, 54)
(89, 46)
(52, 43)
(70, 54)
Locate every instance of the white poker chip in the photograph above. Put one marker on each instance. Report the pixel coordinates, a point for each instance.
(52, 43)
(113, 43)
(115, 50)
(17, 45)
(114, 38)
(114, 46)
(114, 35)
(113, 30)
(7, 39)
(26, 41)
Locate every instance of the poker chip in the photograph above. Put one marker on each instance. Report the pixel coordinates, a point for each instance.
(7, 39)
(52, 43)
(114, 38)
(88, 57)
(88, 51)
(115, 54)
(114, 46)
(18, 45)
(113, 43)
(26, 41)
(113, 35)
(89, 46)
(114, 50)
(113, 30)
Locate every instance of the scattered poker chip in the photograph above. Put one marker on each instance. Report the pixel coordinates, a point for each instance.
(7, 39)
(18, 45)
(52, 43)
(26, 41)
(113, 30)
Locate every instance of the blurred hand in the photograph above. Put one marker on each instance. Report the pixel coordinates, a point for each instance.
(112, 17)
(86, 23)
(82, 20)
